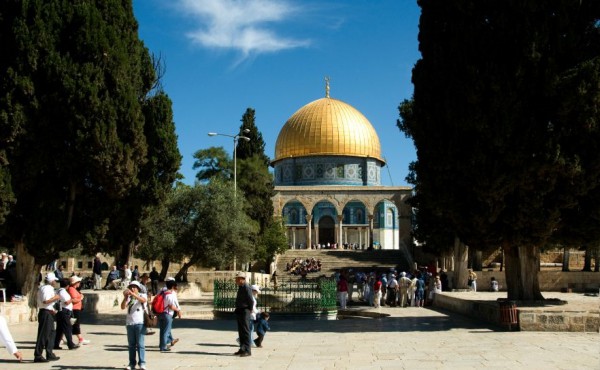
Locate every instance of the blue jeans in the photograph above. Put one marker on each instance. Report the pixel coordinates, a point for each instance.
(165, 323)
(135, 340)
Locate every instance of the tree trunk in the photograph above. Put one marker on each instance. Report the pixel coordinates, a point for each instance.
(182, 273)
(522, 273)
(164, 270)
(28, 276)
(477, 260)
(461, 252)
(587, 261)
(566, 259)
(596, 255)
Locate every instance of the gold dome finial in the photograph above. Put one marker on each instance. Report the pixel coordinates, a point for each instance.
(327, 86)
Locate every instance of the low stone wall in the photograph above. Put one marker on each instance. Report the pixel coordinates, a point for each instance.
(528, 319)
(550, 281)
(17, 312)
(542, 320)
(206, 279)
(487, 311)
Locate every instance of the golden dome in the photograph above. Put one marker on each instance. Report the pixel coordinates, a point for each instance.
(327, 127)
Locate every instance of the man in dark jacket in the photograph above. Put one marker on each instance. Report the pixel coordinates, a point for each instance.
(97, 270)
(243, 308)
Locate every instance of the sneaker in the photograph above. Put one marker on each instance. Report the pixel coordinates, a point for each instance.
(74, 347)
(127, 367)
(53, 358)
(174, 342)
(166, 350)
(40, 359)
(245, 354)
(84, 342)
(143, 367)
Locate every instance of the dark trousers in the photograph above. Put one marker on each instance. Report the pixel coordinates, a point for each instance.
(45, 335)
(154, 284)
(63, 327)
(77, 326)
(243, 324)
(258, 341)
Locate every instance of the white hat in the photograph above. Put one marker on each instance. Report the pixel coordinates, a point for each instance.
(50, 277)
(403, 273)
(240, 274)
(135, 283)
(74, 280)
(256, 288)
(170, 278)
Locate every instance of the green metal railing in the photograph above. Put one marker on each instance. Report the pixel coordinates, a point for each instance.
(312, 296)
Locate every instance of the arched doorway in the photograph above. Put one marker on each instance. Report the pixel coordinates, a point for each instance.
(326, 230)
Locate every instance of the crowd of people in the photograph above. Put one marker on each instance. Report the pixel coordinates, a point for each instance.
(63, 307)
(302, 267)
(387, 288)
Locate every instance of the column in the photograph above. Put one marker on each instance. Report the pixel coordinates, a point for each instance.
(360, 231)
(308, 231)
(340, 227)
(316, 234)
(294, 237)
(370, 232)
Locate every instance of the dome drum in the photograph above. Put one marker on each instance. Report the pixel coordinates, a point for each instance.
(328, 170)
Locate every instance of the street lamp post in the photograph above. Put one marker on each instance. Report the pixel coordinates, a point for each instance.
(235, 140)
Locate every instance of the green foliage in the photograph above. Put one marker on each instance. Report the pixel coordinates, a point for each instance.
(256, 183)
(256, 145)
(272, 241)
(504, 120)
(213, 162)
(75, 104)
(204, 223)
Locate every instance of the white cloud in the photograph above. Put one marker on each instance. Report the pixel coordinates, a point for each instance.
(243, 25)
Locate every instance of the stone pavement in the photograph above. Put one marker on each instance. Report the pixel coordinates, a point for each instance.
(410, 338)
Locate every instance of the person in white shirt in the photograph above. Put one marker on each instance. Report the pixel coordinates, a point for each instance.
(7, 341)
(45, 336)
(127, 272)
(63, 318)
(165, 319)
(134, 301)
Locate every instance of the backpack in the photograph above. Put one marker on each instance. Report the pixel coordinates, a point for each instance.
(158, 303)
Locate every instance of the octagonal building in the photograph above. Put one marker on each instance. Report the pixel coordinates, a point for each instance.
(327, 175)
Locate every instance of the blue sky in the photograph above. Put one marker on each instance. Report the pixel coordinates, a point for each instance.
(223, 56)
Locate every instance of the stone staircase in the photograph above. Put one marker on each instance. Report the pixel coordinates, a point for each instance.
(335, 259)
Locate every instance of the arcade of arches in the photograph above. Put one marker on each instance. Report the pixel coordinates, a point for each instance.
(361, 216)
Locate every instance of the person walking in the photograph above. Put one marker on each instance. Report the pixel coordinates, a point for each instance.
(45, 336)
(77, 300)
(97, 270)
(243, 309)
(134, 301)
(63, 318)
(472, 281)
(165, 319)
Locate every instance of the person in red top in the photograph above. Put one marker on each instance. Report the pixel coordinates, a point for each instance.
(343, 291)
(377, 293)
(77, 300)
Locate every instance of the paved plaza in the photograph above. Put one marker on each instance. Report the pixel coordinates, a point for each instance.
(411, 338)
